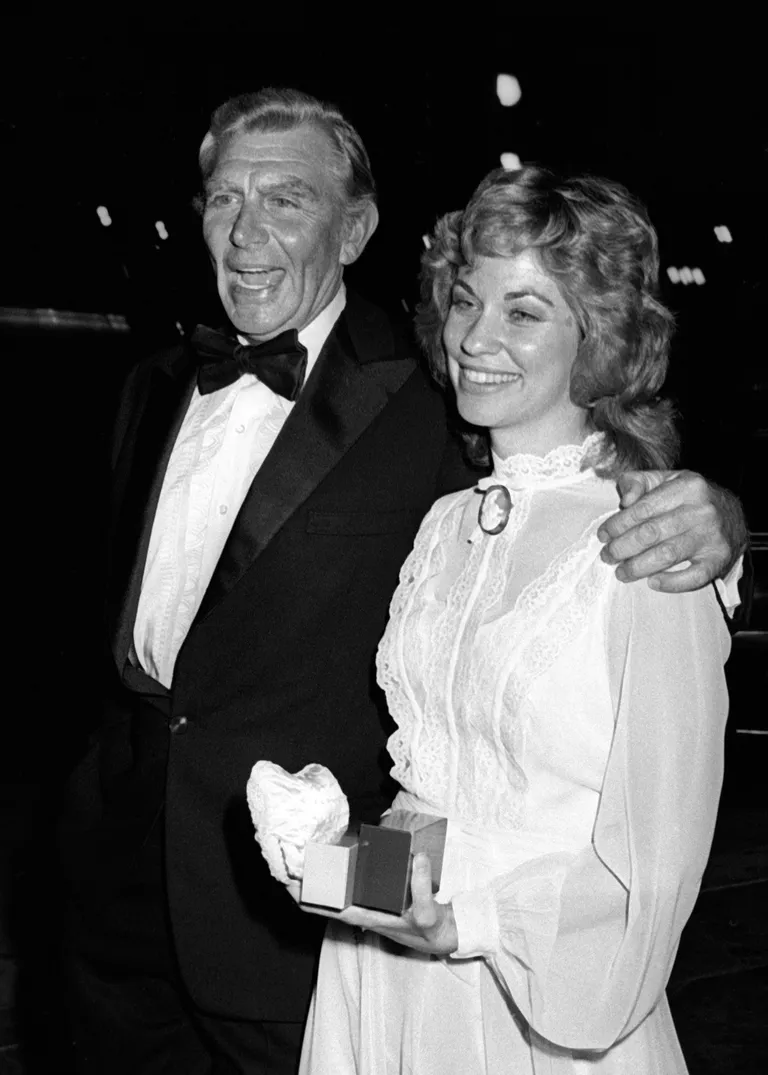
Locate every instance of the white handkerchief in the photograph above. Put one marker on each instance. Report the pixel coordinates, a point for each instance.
(290, 809)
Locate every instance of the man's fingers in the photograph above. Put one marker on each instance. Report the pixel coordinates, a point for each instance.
(694, 577)
(673, 526)
(649, 562)
(636, 509)
(652, 493)
(634, 483)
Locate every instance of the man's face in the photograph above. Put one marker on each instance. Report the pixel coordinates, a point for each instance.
(276, 230)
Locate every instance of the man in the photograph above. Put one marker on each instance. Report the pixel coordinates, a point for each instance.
(260, 524)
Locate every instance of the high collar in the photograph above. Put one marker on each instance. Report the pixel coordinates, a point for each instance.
(563, 465)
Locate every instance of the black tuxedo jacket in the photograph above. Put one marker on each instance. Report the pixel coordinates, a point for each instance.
(279, 661)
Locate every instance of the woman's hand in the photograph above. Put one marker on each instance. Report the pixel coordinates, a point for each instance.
(427, 926)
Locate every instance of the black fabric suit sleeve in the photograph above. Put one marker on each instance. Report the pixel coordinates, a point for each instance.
(741, 618)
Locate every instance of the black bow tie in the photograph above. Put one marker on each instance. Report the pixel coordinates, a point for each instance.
(280, 363)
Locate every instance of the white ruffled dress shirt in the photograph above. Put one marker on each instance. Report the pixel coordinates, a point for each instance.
(223, 441)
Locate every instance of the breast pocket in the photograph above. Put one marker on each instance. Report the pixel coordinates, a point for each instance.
(361, 523)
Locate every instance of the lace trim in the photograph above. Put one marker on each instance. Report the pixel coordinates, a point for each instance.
(545, 639)
(565, 461)
(524, 642)
(457, 681)
(403, 706)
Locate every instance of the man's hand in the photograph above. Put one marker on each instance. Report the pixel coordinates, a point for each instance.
(427, 926)
(667, 518)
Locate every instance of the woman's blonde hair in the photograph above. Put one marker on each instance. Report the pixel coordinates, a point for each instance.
(596, 241)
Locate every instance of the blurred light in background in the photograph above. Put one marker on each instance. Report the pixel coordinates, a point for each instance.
(723, 234)
(160, 228)
(508, 90)
(511, 162)
(686, 275)
(427, 241)
(103, 214)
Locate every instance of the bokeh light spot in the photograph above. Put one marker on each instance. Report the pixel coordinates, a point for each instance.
(511, 162)
(508, 90)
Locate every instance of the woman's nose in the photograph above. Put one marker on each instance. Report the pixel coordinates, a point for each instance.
(481, 339)
(249, 228)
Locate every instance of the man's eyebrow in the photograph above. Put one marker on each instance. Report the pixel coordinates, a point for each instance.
(290, 184)
(220, 182)
(285, 184)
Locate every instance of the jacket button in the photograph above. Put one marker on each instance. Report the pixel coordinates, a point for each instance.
(178, 724)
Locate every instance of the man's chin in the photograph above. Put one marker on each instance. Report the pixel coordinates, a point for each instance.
(261, 325)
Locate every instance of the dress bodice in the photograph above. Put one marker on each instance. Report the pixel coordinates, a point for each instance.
(476, 620)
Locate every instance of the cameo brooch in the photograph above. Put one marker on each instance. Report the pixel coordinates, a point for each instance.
(495, 508)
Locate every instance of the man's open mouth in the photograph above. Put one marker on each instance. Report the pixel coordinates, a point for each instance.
(258, 279)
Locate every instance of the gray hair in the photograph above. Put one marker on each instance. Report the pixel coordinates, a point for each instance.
(284, 110)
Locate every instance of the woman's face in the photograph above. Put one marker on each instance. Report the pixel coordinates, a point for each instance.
(511, 341)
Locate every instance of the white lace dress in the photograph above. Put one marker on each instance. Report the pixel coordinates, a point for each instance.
(570, 728)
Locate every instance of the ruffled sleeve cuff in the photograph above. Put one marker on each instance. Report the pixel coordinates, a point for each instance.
(518, 912)
(477, 923)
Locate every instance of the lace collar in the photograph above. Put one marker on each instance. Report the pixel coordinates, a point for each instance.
(562, 466)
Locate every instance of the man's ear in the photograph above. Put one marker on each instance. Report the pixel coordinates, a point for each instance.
(357, 231)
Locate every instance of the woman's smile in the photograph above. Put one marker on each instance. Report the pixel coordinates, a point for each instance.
(477, 379)
(511, 341)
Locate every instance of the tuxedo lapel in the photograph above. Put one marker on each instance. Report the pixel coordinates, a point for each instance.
(139, 475)
(355, 375)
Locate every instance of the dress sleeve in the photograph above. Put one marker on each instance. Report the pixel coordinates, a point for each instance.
(584, 942)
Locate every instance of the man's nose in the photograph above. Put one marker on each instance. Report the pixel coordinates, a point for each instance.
(249, 227)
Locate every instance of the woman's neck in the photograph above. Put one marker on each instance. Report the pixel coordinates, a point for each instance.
(541, 439)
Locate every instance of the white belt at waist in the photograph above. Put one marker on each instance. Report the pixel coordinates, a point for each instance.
(489, 852)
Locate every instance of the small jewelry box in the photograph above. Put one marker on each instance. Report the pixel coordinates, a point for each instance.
(371, 867)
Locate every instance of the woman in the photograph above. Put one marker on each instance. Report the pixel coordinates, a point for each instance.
(569, 727)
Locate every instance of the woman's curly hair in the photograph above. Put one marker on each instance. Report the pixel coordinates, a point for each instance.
(596, 241)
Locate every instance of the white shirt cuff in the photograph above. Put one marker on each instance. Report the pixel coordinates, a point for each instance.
(477, 924)
(728, 588)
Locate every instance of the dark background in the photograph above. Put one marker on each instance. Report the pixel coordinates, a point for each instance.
(674, 110)
(113, 116)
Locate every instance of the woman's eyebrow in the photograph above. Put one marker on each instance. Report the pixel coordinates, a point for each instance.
(529, 291)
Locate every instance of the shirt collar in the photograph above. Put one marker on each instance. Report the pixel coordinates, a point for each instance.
(314, 335)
